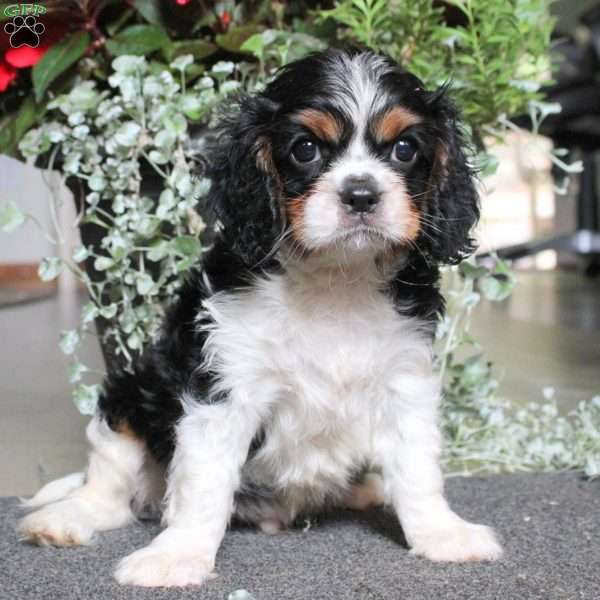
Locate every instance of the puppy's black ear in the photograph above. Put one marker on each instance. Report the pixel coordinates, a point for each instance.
(453, 202)
(246, 191)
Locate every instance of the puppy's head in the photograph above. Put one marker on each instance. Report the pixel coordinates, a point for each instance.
(345, 151)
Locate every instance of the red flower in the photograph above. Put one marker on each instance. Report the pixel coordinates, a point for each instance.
(7, 74)
(24, 56)
(225, 18)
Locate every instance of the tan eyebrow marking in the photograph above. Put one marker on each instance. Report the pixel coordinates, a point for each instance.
(393, 122)
(323, 124)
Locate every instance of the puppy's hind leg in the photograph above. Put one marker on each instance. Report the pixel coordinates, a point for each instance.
(79, 506)
(55, 490)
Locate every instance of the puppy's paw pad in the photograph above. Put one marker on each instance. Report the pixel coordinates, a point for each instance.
(56, 525)
(155, 567)
(463, 542)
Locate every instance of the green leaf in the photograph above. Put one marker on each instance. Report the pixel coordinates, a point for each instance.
(157, 157)
(57, 60)
(187, 246)
(158, 251)
(138, 40)
(86, 398)
(496, 287)
(109, 311)
(11, 217)
(103, 262)
(177, 124)
(134, 341)
(240, 595)
(49, 268)
(69, 341)
(471, 271)
(182, 62)
(147, 225)
(164, 139)
(127, 135)
(235, 38)
(192, 107)
(199, 49)
(89, 312)
(14, 126)
(254, 45)
(129, 65)
(75, 371)
(150, 10)
(144, 283)
(97, 182)
(80, 253)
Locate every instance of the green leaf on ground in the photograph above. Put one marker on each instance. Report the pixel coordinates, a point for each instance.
(240, 595)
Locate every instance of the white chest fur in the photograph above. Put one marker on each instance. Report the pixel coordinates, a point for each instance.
(327, 351)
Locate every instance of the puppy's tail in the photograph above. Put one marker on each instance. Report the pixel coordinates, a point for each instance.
(55, 490)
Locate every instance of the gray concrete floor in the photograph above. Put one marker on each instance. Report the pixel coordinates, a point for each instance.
(547, 334)
(547, 523)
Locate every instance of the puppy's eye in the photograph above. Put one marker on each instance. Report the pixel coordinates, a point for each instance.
(404, 150)
(305, 151)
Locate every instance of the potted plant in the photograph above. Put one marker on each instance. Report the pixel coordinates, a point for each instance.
(120, 97)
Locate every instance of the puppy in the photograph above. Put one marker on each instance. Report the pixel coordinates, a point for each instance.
(294, 371)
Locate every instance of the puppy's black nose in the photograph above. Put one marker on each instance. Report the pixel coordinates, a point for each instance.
(360, 194)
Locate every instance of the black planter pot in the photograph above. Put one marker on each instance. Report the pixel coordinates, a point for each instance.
(91, 237)
(91, 234)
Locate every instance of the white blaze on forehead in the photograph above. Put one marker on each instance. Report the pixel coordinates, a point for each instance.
(356, 80)
(356, 83)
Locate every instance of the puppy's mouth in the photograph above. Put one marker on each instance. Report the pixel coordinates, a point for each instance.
(363, 234)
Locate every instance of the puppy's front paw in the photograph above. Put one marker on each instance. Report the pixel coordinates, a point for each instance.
(65, 523)
(160, 567)
(460, 542)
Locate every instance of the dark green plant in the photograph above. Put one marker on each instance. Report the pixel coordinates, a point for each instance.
(494, 54)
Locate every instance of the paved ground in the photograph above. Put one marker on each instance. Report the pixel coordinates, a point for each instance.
(550, 525)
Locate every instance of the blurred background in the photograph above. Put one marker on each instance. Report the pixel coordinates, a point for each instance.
(544, 339)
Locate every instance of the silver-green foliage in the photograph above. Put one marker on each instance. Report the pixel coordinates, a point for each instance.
(106, 139)
(485, 432)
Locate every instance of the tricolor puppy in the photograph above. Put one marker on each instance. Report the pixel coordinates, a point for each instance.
(295, 372)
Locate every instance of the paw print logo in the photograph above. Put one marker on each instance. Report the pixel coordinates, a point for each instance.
(24, 31)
